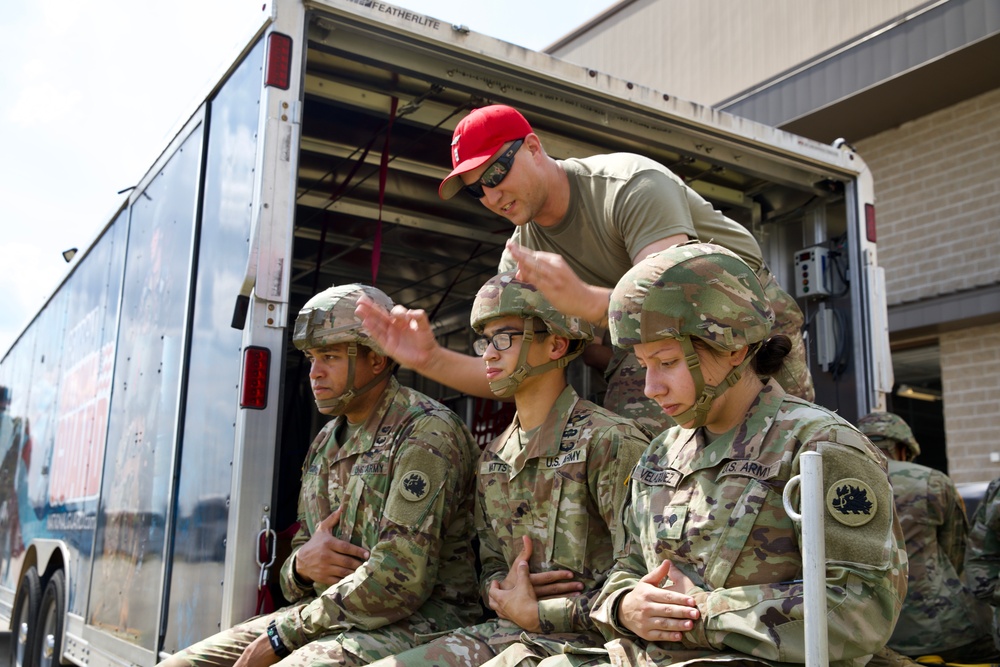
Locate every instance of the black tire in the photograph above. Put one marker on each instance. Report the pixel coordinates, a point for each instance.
(24, 620)
(51, 615)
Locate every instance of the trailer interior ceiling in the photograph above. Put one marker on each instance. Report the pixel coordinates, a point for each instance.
(435, 254)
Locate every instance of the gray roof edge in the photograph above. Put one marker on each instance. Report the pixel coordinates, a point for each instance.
(930, 14)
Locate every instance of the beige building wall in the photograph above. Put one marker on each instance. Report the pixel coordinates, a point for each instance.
(717, 47)
(937, 182)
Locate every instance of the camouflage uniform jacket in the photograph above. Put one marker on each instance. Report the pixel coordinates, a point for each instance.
(982, 559)
(565, 488)
(405, 484)
(715, 509)
(937, 613)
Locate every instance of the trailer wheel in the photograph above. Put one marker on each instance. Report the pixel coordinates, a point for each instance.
(24, 619)
(50, 621)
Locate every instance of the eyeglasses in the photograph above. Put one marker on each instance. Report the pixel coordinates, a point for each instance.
(500, 341)
(877, 438)
(495, 173)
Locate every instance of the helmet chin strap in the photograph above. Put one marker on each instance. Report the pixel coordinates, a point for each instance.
(338, 405)
(706, 393)
(507, 387)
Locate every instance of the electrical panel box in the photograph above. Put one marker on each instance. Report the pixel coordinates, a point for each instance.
(826, 341)
(812, 272)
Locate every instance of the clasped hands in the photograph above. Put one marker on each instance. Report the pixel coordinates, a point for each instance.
(658, 612)
(326, 559)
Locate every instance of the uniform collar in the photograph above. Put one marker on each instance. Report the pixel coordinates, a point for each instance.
(744, 441)
(372, 430)
(545, 440)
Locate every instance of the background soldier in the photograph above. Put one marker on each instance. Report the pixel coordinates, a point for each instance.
(940, 615)
(383, 554)
(983, 556)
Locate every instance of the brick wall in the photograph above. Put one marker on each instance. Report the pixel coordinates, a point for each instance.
(937, 188)
(970, 376)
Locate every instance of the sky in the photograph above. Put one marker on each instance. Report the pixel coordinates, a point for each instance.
(93, 91)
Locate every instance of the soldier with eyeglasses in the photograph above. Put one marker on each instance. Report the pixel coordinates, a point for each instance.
(549, 490)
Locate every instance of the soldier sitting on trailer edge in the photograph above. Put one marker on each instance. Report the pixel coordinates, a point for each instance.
(383, 556)
(714, 570)
(550, 488)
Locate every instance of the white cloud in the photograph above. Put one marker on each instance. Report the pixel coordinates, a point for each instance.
(41, 105)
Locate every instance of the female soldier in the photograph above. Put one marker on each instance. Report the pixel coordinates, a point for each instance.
(714, 569)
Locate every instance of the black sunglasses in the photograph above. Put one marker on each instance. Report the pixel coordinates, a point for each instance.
(495, 173)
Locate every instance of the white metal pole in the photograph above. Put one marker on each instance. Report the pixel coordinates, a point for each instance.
(812, 517)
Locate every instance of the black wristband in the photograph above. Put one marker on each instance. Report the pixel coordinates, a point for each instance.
(299, 580)
(277, 645)
(616, 606)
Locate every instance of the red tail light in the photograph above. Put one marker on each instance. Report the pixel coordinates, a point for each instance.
(256, 370)
(279, 61)
(870, 222)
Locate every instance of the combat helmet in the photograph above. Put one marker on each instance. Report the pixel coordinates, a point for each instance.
(693, 290)
(503, 295)
(884, 428)
(328, 319)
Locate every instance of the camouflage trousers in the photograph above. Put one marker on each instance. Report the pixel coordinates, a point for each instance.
(626, 379)
(498, 643)
(549, 651)
(352, 648)
(625, 653)
(628, 653)
(889, 658)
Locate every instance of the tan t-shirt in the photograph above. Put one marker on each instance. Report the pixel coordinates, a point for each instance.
(619, 203)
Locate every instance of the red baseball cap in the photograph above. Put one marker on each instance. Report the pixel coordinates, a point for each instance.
(478, 136)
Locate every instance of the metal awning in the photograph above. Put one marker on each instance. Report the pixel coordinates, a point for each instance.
(933, 57)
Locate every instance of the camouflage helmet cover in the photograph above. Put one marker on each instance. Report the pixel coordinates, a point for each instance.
(328, 318)
(698, 290)
(892, 427)
(504, 295)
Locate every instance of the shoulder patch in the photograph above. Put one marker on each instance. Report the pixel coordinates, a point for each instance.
(414, 485)
(861, 515)
(852, 502)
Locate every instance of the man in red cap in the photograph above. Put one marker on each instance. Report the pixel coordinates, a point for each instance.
(580, 224)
